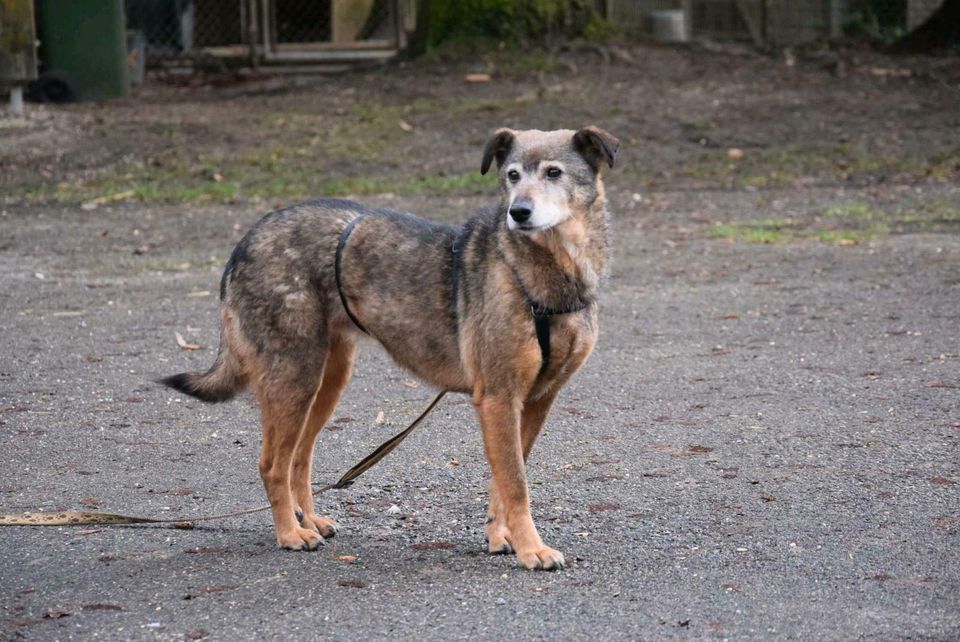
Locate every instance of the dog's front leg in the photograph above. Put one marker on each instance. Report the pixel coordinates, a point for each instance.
(500, 421)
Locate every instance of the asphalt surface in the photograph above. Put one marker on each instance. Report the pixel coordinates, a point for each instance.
(764, 445)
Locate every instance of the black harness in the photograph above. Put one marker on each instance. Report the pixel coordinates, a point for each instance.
(344, 235)
(541, 314)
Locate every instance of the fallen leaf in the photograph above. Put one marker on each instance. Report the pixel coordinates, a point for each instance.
(180, 492)
(92, 204)
(380, 418)
(699, 449)
(941, 481)
(598, 508)
(359, 584)
(477, 78)
(344, 558)
(768, 498)
(890, 71)
(183, 343)
(453, 462)
(431, 546)
(102, 607)
(91, 501)
(405, 126)
(734, 153)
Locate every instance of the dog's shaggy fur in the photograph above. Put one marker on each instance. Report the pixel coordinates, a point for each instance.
(503, 308)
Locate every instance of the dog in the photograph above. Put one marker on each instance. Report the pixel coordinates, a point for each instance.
(503, 308)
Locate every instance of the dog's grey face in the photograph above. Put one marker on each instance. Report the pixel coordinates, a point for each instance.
(547, 177)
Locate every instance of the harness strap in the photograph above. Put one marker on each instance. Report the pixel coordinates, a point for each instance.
(541, 322)
(337, 271)
(541, 317)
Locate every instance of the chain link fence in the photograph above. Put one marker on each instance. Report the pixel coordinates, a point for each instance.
(776, 22)
(255, 32)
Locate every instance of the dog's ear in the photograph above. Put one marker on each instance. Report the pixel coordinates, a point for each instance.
(596, 145)
(498, 147)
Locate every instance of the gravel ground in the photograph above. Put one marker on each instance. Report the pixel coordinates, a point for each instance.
(764, 444)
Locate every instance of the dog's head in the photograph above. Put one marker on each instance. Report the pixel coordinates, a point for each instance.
(547, 177)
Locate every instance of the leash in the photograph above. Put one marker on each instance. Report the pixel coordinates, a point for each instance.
(87, 518)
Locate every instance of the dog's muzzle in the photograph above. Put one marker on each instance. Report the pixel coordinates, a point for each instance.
(521, 211)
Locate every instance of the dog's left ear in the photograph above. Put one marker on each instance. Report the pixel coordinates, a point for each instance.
(498, 147)
(596, 145)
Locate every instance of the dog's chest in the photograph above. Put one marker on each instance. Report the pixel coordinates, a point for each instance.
(571, 339)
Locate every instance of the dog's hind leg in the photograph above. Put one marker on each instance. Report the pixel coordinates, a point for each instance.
(286, 389)
(336, 375)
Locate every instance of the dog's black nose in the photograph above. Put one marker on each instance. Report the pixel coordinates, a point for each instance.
(520, 211)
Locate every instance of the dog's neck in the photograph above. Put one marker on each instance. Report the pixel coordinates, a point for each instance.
(560, 269)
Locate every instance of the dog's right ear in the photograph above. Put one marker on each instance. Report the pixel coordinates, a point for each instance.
(498, 147)
(596, 145)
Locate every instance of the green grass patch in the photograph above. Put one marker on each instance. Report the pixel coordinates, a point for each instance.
(855, 210)
(758, 231)
(263, 179)
(787, 164)
(847, 223)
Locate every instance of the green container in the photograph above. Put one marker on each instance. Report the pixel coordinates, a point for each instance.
(83, 46)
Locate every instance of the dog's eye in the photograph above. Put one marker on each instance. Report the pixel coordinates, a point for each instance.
(513, 175)
(554, 172)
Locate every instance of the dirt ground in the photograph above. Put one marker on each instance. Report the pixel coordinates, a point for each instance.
(764, 444)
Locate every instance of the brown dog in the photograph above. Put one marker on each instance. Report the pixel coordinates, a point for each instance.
(503, 308)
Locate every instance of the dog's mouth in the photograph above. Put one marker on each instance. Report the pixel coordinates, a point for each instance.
(527, 228)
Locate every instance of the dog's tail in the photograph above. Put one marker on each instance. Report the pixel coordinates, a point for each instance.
(221, 382)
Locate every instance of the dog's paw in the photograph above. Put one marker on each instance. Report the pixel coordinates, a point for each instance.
(545, 559)
(300, 539)
(323, 525)
(498, 537)
(498, 542)
(502, 547)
